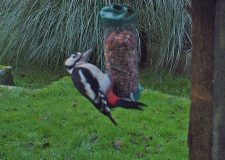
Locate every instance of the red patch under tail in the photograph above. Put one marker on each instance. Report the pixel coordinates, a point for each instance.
(112, 98)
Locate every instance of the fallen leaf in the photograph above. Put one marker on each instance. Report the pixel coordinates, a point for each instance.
(135, 134)
(46, 145)
(118, 144)
(30, 145)
(148, 138)
(133, 141)
(140, 155)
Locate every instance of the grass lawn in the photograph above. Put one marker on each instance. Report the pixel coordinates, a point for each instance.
(55, 122)
(35, 77)
(178, 85)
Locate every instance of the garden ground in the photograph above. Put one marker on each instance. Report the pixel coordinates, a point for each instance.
(54, 121)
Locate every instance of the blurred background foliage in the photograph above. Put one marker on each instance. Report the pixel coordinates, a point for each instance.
(44, 32)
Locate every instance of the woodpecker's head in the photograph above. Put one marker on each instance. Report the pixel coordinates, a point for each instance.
(73, 59)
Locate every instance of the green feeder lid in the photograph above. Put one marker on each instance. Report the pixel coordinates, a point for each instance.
(117, 15)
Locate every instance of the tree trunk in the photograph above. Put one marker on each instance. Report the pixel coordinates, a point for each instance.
(207, 123)
(219, 84)
(200, 127)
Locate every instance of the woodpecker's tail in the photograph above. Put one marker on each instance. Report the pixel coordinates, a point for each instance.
(104, 107)
(128, 104)
(112, 119)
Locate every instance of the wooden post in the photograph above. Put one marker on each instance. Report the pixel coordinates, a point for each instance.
(207, 115)
(200, 127)
(219, 84)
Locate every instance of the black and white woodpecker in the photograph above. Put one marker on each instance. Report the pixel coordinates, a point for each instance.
(96, 85)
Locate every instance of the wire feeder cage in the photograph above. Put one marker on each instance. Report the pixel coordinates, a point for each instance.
(121, 45)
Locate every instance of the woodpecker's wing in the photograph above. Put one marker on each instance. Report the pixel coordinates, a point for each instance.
(85, 83)
(101, 78)
(88, 86)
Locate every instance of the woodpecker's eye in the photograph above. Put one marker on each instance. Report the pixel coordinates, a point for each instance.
(73, 56)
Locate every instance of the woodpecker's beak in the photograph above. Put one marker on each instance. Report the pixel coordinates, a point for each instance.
(86, 55)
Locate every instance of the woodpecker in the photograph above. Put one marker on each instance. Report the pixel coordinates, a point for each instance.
(96, 86)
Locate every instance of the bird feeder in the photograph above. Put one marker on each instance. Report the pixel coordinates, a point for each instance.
(121, 49)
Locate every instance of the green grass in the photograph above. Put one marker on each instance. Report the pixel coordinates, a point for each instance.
(55, 122)
(172, 84)
(36, 77)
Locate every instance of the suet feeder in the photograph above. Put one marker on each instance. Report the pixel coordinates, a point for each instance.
(121, 49)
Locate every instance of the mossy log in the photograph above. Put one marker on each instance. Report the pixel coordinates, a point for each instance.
(6, 77)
